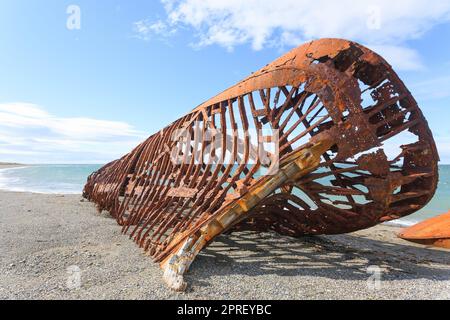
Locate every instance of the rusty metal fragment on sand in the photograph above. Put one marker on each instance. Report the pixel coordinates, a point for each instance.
(434, 231)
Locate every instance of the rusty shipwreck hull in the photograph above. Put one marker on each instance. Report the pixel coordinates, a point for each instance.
(353, 150)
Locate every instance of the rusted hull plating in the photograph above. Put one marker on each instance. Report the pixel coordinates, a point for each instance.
(379, 161)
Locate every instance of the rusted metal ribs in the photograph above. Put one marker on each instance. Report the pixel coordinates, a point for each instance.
(339, 145)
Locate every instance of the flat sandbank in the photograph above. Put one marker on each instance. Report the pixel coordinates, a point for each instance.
(44, 236)
(7, 165)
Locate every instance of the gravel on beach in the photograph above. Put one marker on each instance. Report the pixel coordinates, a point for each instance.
(47, 241)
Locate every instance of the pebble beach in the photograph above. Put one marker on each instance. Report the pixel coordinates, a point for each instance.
(44, 238)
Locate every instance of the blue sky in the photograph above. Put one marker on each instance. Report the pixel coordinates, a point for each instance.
(90, 94)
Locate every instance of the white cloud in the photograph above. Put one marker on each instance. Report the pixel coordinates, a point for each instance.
(145, 29)
(432, 89)
(401, 58)
(30, 134)
(290, 22)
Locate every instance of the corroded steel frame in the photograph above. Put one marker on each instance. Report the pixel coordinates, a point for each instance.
(330, 93)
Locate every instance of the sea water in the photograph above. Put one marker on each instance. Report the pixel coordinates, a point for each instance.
(59, 179)
(70, 179)
(438, 205)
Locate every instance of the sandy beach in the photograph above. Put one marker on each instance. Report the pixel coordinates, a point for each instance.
(7, 165)
(43, 236)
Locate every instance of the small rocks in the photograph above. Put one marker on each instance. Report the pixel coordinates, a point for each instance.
(239, 266)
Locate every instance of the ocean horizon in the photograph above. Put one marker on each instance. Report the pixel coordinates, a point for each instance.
(47, 178)
(71, 178)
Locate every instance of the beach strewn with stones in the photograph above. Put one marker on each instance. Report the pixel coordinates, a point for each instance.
(48, 241)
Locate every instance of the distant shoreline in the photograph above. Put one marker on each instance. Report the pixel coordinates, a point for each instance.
(10, 165)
